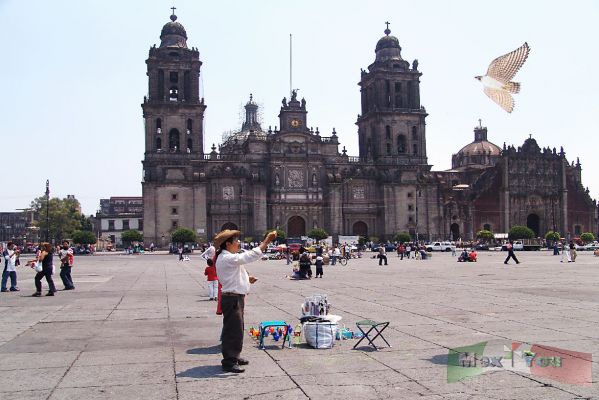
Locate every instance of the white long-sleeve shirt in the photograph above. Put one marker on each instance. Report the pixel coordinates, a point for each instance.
(11, 257)
(209, 253)
(231, 271)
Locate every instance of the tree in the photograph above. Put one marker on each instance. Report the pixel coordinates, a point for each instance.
(552, 236)
(318, 234)
(248, 239)
(183, 235)
(83, 237)
(485, 235)
(63, 216)
(86, 223)
(130, 236)
(587, 237)
(402, 237)
(281, 235)
(374, 239)
(520, 232)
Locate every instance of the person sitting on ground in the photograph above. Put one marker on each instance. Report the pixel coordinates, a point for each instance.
(472, 256)
(464, 256)
(305, 266)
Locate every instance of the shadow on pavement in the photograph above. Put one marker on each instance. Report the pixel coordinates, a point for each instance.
(205, 350)
(440, 359)
(204, 371)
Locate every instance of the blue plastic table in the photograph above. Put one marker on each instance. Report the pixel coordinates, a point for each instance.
(264, 325)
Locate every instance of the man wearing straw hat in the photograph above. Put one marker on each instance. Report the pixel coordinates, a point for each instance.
(235, 283)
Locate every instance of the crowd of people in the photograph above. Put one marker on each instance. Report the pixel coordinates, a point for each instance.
(42, 263)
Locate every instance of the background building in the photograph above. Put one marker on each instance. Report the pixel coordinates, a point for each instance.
(118, 214)
(296, 179)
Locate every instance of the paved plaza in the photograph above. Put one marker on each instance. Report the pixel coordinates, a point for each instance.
(141, 327)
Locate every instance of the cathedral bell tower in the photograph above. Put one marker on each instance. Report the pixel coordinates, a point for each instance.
(173, 111)
(391, 126)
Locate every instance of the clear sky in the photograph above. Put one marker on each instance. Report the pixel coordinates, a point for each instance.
(72, 78)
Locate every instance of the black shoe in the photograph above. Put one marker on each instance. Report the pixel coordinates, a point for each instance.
(15, 289)
(4, 290)
(36, 294)
(233, 368)
(50, 294)
(69, 288)
(242, 361)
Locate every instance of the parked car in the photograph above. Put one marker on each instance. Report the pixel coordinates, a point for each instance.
(482, 246)
(375, 247)
(588, 247)
(518, 245)
(440, 246)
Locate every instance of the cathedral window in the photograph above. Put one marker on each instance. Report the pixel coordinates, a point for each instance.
(187, 85)
(414, 133)
(410, 194)
(388, 132)
(415, 149)
(174, 196)
(189, 145)
(158, 143)
(388, 148)
(173, 140)
(174, 211)
(174, 224)
(174, 94)
(158, 125)
(410, 207)
(401, 144)
(160, 84)
(577, 230)
(174, 77)
(189, 125)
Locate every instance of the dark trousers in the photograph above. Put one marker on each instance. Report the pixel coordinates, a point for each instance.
(232, 334)
(381, 258)
(319, 271)
(13, 279)
(47, 272)
(511, 255)
(65, 275)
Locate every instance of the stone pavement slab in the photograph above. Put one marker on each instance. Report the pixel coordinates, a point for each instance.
(141, 327)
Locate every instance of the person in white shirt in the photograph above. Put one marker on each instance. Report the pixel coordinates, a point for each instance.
(10, 255)
(209, 253)
(235, 283)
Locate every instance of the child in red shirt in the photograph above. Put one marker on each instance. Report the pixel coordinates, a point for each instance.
(210, 273)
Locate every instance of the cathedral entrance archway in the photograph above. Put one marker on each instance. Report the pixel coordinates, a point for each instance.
(455, 231)
(296, 226)
(229, 225)
(360, 228)
(533, 222)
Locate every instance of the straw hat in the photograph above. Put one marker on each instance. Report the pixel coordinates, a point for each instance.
(222, 236)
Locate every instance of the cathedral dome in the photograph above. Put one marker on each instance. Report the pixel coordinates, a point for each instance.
(173, 34)
(481, 152)
(388, 48)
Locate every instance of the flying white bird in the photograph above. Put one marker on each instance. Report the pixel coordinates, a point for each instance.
(497, 81)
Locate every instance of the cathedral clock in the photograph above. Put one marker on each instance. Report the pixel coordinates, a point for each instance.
(295, 123)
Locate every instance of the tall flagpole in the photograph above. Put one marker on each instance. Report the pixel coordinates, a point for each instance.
(290, 65)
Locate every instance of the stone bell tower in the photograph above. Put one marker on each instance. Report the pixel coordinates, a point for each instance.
(173, 114)
(391, 126)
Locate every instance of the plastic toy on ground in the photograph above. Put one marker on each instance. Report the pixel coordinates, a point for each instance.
(268, 327)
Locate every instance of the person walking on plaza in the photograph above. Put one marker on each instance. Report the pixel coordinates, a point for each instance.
(336, 255)
(566, 252)
(408, 250)
(318, 263)
(45, 257)
(180, 251)
(573, 253)
(235, 281)
(212, 278)
(382, 254)
(510, 254)
(10, 256)
(66, 265)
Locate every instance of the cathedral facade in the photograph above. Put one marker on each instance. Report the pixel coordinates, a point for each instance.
(294, 178)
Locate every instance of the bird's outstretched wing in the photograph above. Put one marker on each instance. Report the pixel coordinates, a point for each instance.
(505, 67)
(501, 97)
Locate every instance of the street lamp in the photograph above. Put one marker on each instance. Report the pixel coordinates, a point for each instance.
(48, 210)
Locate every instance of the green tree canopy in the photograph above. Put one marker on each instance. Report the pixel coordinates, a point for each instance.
(552, 236)
(248, 239)
(130, 236)
(62, 219)
(83, 237)
(374, 239)
(281, 234)
(587, 237)
(183, 235)
(485, 235)
(318, 234)
(402, 237)
(520, 232)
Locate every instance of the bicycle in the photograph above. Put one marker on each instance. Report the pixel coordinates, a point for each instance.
(343, 260)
